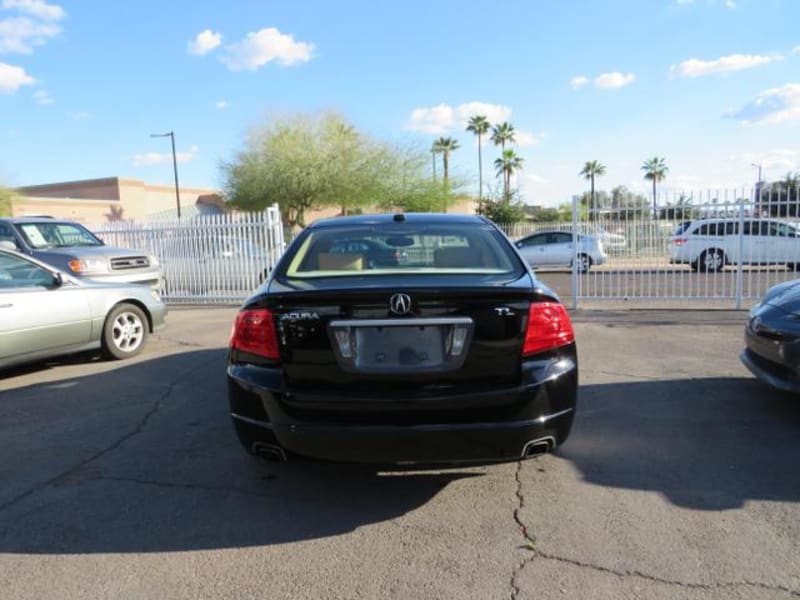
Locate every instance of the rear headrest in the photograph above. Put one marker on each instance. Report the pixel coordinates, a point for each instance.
(457, 257)
(340, 261)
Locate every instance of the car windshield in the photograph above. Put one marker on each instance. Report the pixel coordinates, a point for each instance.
(380, 249)
(57, 235)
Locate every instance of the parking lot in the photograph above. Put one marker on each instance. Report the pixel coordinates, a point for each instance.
(680, 480)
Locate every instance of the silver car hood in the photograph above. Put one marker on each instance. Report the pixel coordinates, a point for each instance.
(91, 251)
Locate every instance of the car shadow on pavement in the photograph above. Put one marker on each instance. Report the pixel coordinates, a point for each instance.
(143, 458)
(707, 444)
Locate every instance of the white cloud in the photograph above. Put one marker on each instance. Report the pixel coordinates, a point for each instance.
(80, 116)
(525, 139)
(730, 3)
(36, 8)
(685, 1)
(221, 104)
(12, 78)
(21, 34)
(443, 118)
(615, 80)
(149, 159)
(265, 46)
(695, 67)
(796, 50)
(578, 82)
(204, 42)
(775, 105)
(43, 97)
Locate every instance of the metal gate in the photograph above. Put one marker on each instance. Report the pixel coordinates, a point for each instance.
(721, 249)
(207, 259)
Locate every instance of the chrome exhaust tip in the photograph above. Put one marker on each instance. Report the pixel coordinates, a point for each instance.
(538, 446)
(270, 452)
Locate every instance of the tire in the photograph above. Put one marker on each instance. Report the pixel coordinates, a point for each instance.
(125, 332)
(584, 263)
(711, 261)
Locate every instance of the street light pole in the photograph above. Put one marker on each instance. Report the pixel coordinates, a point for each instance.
(171, 136)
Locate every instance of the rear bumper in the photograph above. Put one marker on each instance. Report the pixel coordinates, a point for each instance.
(423, 430)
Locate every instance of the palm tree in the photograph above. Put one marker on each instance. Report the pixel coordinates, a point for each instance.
(655, 169)
(506, 166)
(503, 134)
(479, 125)
(592, 169)
(445, 145)
(434, 151)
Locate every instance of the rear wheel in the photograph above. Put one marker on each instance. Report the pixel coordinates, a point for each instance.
(584, 263)
(124, 332)
(711, 261)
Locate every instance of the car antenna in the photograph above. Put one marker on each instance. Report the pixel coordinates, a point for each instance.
(399, 217)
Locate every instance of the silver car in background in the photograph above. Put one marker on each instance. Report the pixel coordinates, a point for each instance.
(45, 312)
(72, 248)
(556, 249)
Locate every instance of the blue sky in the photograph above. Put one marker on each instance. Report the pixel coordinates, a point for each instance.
(711, 85)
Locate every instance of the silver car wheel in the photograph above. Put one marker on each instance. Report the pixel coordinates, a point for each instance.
(127, 332)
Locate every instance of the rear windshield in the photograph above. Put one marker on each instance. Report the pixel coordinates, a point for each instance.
(56, 235)
(392, 248)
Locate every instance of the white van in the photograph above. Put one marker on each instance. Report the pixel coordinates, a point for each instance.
(710, 244)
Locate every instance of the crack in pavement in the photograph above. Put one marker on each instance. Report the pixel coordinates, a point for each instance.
(530, 540)
(110, 448)
(530, 544)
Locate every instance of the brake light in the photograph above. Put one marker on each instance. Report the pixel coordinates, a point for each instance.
(679, 241)
(549, 327)
(254, 332)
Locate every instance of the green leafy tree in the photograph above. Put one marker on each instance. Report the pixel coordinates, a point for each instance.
(308, 162)
(626, 205)
(655, 170)
(591, 170)
(505, 166)
(479, 125)
(503, 134)
(502, 211)
(414, 191)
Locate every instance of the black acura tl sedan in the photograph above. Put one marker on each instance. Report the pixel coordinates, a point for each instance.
(455, 354)
(772, 337)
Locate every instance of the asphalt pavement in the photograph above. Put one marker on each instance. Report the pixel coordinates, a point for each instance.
(680, 480)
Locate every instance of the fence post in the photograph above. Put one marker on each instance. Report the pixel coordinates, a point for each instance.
(740, 262)
(574, 252)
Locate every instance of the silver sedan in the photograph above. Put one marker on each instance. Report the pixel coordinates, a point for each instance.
(45, 313)
(556, 249)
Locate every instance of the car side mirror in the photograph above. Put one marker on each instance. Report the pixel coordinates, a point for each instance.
(8, 245)
(58, 280)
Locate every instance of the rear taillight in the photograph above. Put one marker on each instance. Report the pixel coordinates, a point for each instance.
(679, 241)
(254, 333)
(549, 327)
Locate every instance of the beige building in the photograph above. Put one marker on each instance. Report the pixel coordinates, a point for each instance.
(107, 199)
(113, 199)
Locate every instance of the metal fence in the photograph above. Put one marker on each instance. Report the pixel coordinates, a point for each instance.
(206, 258)
(725, 247)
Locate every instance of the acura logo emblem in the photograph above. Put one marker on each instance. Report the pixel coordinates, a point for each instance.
(400, 304)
